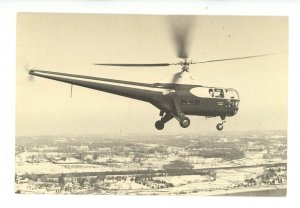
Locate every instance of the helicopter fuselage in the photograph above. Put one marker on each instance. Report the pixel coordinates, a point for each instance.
(201, 101)
(173, 100)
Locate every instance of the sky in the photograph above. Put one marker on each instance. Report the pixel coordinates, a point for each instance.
(71, 43)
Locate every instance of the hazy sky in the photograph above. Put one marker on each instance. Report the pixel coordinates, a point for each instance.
(70, 43)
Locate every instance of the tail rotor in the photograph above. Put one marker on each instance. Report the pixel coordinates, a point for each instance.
(27, 71)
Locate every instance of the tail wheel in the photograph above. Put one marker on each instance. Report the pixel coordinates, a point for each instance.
(185, 122)
(159, 125)
(220, 126)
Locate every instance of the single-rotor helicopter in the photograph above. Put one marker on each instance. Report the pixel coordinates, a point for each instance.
(177, 99)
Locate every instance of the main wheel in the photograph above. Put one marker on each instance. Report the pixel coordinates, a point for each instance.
(159, 125)
(219, 126)
(185, 122)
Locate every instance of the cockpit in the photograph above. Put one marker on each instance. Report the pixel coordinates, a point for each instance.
(223, 93)
(230, 95)
(227, 93)
(224, 99)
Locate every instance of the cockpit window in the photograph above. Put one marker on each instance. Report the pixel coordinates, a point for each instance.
(219, 93)
(230, 94)
(210, 92)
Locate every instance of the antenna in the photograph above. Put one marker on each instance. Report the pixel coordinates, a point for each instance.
(71, 91)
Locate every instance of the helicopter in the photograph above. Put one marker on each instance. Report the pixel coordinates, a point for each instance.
(178, 98)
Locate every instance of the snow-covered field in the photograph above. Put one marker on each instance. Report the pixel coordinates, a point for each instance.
(50, 168)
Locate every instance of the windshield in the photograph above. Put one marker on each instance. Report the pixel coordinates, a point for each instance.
(228, 93)
(231, 94)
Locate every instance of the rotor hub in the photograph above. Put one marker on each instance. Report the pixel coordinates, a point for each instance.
(185, 65)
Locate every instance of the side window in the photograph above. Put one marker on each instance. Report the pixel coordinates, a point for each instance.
(219, 93)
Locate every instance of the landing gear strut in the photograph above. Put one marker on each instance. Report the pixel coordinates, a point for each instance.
(220, 125)
(165, 117)
(179, 115)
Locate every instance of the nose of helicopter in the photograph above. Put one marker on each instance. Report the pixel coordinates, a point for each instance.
(232, 107)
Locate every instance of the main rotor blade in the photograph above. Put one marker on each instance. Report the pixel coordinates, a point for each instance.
(235, 58)
(136, 65)
(181, 29)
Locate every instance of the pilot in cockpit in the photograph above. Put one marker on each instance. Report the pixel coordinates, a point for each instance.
(211, 92)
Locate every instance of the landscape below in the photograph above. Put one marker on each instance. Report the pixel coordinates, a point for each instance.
(253, 163)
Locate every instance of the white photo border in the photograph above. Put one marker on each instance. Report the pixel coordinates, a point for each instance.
(8, 14)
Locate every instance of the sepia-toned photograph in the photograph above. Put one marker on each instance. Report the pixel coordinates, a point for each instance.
(128, 104)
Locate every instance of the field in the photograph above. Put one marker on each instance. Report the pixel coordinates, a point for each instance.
(151, 165)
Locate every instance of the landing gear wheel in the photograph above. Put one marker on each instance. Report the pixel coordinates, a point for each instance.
(159, 125)
(220, 126)
(185, 122)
